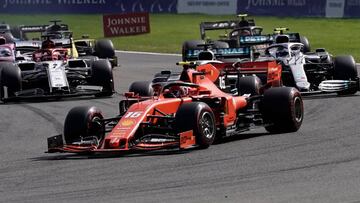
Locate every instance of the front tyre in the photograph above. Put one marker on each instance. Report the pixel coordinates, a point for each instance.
(198, 117)
(10, 77)
(345, 69)
(142, 88)
(89, 60)
(306, 43)
(82, 122)
(102, 75)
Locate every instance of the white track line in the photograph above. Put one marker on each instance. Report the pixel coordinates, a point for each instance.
(147, 53)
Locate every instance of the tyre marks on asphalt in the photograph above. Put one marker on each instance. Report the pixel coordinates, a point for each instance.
(45, 115)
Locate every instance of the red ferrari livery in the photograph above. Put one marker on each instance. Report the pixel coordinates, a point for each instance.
(190, 111)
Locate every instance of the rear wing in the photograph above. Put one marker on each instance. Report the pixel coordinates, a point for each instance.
(27, 46)
(41, 28)
(31, 28)
(219, 25)
(267, 70)
(224, 25)
(240, 52)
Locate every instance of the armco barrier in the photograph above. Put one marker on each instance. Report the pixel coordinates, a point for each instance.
(87, 6)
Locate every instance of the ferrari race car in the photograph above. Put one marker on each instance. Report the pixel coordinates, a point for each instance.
(314, 72)
(243, 32)
(185, 112)
(52, 75)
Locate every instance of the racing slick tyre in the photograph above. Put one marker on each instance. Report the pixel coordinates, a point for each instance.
(10, 77)
(83, 122)
(102, 75)
(142, 88)
(306, 43)
(104, 48)
(283, 108)
(193, 44)
(249, 85)
(220, 45)
(199, 117)
(345, 69)
(89, 60)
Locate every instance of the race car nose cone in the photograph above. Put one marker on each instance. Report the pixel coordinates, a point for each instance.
(112, 143)
(303, 85)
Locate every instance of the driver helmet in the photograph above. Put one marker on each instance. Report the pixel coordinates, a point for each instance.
(46, 56)
(57, 55)
(282, 51)
(48, 44)
(206, 55)
(177, 91)
(245, 32)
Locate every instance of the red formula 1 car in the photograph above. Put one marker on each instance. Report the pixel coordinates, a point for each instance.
(185, 112)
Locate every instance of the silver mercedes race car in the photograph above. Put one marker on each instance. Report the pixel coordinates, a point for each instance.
(314, 72)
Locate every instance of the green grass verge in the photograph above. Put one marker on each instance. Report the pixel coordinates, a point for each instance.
(168, 31)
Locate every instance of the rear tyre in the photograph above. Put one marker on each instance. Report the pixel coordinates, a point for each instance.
(189, 45)
(161, 77)
(142, 88)
(306, 43)
(220, 45)
(283, 108)
(82, 122)
(345, 69)
(249, 85)
(104, 48)
(199, 117)
(10, 77)
(102, 76)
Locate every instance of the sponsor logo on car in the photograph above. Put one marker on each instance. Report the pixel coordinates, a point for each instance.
(127, 122)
